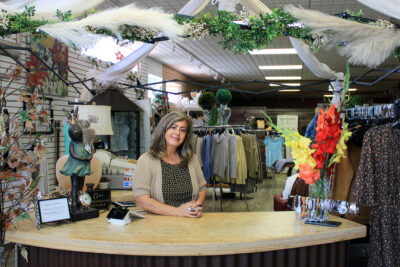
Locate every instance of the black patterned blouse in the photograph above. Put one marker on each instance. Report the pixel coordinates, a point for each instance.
(176, 184)
(378, 185)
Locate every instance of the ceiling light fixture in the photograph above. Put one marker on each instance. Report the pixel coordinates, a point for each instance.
(283, 77)
(223, 80)
(285, 84)
(328, 95)
(281, 67)
(289, 90)
(216, 76)
(273, 51)
(350, 89)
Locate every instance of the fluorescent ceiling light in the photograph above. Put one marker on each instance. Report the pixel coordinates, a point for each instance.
(289, 90)
(281, 67)
(350, 89)
(328, 95)
(273, 51)
(285, 84)
(283, 77)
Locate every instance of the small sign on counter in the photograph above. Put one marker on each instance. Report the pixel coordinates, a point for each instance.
(101, 198)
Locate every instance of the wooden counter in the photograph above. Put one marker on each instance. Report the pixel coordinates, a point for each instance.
(212, 234)
(216, 239)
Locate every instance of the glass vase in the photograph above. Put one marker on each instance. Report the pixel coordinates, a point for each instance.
(206, 116)
(320, 190)
(224, 114)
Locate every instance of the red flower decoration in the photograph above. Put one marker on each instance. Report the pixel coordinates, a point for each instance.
(308, 174)
(329, 129)
(119, 55)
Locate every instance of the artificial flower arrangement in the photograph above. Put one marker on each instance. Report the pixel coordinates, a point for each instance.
(315, 159)
(160, 103)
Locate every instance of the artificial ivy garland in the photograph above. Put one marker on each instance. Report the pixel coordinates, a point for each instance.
(257, 33)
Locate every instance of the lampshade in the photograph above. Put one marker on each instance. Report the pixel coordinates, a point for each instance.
(101, 113)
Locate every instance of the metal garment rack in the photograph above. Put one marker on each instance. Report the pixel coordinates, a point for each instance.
(384, 111)
(227, 127)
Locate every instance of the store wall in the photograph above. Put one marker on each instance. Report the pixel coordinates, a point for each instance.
(171, 74)
(80, 65)
(239, 115)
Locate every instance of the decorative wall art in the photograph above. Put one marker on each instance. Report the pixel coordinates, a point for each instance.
(55, 54)
(44, 113)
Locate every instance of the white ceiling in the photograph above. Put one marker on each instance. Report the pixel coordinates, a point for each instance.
(242, 67)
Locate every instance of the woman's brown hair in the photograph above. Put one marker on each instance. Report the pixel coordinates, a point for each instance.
(158, 145)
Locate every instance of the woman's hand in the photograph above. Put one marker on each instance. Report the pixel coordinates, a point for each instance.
(191, 209)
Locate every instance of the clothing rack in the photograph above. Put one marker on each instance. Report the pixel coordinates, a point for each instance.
(235, 127)
(385, 111)
(377, 114)
(219, 127)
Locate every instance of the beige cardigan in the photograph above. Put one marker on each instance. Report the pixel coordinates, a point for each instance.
(147, 178)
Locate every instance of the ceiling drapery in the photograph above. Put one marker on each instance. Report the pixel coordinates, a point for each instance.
(126, 64)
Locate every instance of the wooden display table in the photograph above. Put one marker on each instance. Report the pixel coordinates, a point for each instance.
(219, 239)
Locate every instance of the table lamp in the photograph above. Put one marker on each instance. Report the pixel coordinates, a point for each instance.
(103, 115)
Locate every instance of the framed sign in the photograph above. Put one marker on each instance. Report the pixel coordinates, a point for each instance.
(52, 210)
(42, 127)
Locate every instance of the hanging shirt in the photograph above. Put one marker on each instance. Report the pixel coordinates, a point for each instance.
(377, 185)
(241, 164)
(206, 156)
(273, 150)
(199, 150)
(220, 155)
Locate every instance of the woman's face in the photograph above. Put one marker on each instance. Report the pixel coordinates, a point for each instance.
(175, 135)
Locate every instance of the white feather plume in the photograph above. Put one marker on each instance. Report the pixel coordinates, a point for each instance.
(74, 32)
(365, 44)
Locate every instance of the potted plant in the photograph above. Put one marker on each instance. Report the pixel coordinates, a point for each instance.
(224, 97)
(207, 101)
(20, 155)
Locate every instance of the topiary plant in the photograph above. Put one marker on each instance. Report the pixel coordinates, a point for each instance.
(224, 96)
(207, 100)
(213, 120)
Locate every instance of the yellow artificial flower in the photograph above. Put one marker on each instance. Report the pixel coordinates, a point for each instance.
(341, 145)
(301, 151)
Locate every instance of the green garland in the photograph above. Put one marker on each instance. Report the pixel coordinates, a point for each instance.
(257, 34)
(19, 23)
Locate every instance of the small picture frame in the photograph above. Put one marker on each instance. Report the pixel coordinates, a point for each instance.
(53, 210)
(39, 127)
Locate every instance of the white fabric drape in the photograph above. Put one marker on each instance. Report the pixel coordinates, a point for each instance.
(227, 5)
(193, 7)
(390, 8)
(338, 93)
(318, 68)
(255, 6)
(126, 64)
(47, 8)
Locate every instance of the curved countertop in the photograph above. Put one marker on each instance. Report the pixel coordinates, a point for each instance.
(212, 234)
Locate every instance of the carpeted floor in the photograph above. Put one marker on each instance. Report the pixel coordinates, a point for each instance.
(262, 200)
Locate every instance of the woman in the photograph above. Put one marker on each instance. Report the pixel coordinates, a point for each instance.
(168, 179)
